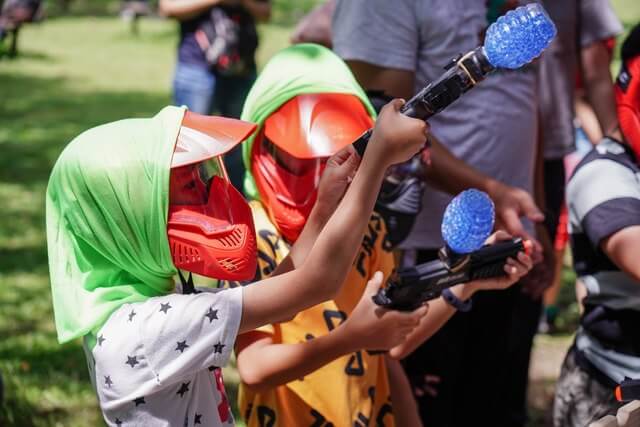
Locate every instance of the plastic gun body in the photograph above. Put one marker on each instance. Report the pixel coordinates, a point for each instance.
(411, 287)
(462, 73)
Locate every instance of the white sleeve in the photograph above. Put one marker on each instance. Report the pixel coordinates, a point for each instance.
(184, 334)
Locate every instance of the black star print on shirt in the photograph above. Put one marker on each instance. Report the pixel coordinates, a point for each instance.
(118, 422)
(133, 313)
(181, 346)
(101, 339)
(133, 361)
(107, 381)
(211, 314)
(165, 307)
(139, 401)
(217, 348)
(197, 419)
(184, 388)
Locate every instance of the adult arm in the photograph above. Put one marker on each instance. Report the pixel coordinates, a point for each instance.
(447, 172)
(599, 23)
(598, 84)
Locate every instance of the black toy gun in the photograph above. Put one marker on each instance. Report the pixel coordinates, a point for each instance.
(411, 287)
(628, 390)
(462, 73)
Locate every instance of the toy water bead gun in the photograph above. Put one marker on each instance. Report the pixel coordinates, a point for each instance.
(467, 222)
(628, 390)
(514, 40)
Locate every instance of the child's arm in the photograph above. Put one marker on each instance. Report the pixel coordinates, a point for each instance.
(395, 139)
(623, 248)
(263, 364)
(440, 311)
(338, 173)
(405, 409)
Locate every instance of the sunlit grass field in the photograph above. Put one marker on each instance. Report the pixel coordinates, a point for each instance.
(72, 74)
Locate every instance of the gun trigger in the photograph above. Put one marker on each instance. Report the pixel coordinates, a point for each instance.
(453, 62)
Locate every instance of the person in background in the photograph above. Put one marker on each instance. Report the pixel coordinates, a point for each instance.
(15, 13)
(580, 49)
(604, 221)
(216, 58)
(398, 47)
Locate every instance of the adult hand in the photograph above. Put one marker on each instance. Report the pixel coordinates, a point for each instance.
(511, 205)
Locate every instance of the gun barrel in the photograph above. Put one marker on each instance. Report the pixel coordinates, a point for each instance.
(462, 74)
(411, 287)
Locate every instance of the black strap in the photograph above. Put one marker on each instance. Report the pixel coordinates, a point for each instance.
(187, 285)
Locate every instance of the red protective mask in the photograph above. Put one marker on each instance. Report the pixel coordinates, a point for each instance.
(628, 99)
(290, 153)
(210, 225)
(290, 192)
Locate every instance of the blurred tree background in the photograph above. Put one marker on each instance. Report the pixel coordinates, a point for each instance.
(81, 67)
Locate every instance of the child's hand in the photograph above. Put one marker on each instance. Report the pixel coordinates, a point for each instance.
(340, 169)
(371, 327)
(396, 137)
(515, 269)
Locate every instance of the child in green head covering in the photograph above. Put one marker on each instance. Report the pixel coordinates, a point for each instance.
(125, 209)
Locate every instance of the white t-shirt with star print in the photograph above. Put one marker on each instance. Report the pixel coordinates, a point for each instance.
(155, 363)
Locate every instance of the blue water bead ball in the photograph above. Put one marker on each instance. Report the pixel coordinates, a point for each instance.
(468, 221)
(518, 37)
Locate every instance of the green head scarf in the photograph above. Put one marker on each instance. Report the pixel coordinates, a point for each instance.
(107, 202)
(296, 70)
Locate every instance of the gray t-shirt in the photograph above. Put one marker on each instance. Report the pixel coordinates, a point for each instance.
(493, 127)
(595, 20)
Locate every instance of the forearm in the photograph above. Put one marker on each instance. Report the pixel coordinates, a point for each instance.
(599, 86)
(405, 409)
(260, 10)
(452, 175)
(301, 248)
(266, 366)
(622, 248)
(439, 313)
(185, 9)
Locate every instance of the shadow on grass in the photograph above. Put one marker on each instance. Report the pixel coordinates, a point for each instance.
(46, 384)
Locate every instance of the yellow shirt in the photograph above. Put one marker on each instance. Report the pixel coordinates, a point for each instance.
(352, 390)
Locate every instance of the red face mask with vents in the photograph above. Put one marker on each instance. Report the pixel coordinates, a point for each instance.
(290, 153)
(628, 99)
(209, 225)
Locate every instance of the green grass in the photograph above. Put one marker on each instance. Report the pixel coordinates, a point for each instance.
(72, 74)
